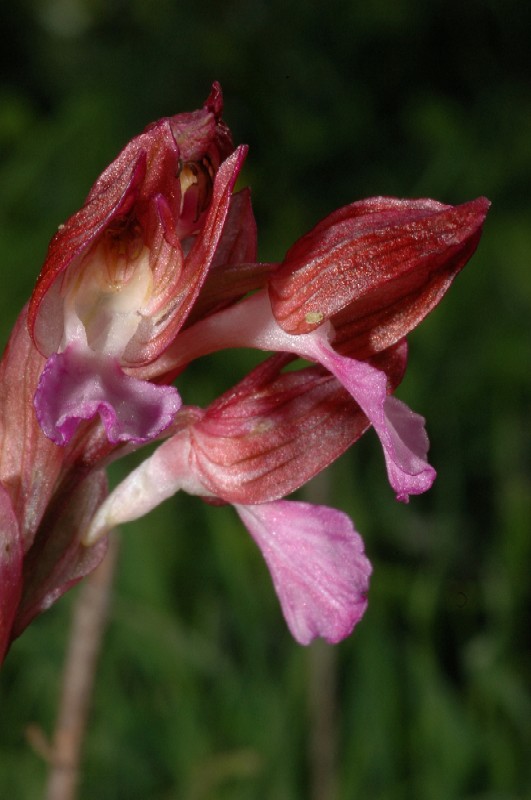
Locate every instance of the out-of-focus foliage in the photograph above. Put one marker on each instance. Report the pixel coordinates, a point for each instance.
(201, 694)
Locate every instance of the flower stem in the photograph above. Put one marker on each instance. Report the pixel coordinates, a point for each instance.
(86, 635)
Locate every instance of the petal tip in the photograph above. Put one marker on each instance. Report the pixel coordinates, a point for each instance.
(318, 565)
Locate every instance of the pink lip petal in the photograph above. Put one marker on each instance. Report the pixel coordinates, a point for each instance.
(317, 563)
(410, 448)
(315, 556)
(76, 386)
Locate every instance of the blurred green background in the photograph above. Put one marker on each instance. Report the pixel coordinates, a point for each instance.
(201, 693)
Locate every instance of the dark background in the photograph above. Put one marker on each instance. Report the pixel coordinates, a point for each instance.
(201, 693)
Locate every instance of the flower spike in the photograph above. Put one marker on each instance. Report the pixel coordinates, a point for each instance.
(159, 268)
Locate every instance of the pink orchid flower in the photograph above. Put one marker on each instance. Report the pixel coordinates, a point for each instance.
(122, 274)
(314, 554)
(159, 268)
(352, 288)
(119, 280)
(345, 297)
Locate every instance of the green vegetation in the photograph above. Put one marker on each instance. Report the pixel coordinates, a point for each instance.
(201, 693)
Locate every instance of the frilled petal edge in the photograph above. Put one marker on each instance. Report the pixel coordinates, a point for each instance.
(77, 385)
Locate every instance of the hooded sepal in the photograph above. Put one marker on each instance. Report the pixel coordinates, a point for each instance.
(166, 314)
(375, 268)
(160, 187)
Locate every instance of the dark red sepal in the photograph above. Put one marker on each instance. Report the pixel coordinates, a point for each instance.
(379, 265)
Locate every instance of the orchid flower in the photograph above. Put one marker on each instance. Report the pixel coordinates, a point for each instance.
(258, 442)
(121, 276)
(345, 297)
(352, 288)
(119, 280)
(159, 268)
(314, 554)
